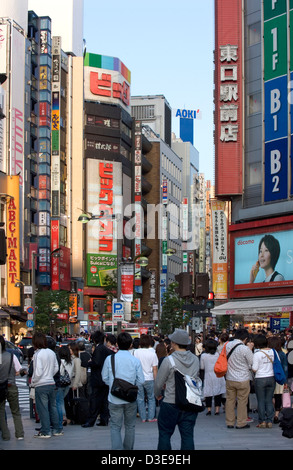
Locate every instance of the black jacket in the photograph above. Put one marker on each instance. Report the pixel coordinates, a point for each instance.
(98, 358)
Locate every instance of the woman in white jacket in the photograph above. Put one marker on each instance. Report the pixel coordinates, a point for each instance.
(212, 385)
(45, 367)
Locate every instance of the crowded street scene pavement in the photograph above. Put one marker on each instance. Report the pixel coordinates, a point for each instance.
(211, 432)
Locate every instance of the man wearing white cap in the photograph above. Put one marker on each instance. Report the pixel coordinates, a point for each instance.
(170, 415)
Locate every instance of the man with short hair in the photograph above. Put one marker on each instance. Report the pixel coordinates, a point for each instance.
(238, 378)
(170, 415)
(127, 367)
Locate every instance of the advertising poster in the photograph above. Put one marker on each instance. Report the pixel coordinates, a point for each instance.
(264, 260)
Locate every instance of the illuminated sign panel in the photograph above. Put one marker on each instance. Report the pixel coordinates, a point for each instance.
(104, 191)
(261, 258)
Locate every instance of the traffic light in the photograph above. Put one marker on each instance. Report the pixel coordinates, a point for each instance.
(210, 302)
(185, 285)
(202, 285)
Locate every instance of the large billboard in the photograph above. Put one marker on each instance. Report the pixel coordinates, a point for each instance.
(262, 258)
(103, 195)
(228, 97)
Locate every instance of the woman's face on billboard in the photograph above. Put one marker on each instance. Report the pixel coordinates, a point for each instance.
(264, 257)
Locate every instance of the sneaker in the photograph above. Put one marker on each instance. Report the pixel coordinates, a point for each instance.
(249, 420)
(20, 438)
(40, 435)
(152, 420)
(269, 425)
(243, 427)
(58, 433)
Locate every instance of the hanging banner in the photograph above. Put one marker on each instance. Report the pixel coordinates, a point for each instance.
(220, 251)
(127, 280)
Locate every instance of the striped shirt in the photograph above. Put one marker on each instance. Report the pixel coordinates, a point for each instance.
(240, 362)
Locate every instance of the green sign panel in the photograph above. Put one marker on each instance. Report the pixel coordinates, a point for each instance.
(99, 266)
(273, 8)
(275, 48)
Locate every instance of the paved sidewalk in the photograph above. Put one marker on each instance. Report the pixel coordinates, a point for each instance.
(210, 433)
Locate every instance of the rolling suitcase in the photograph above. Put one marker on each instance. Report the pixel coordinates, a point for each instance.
(80, 408)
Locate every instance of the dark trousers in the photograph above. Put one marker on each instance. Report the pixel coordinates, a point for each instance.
(209, 400)
(99, 404)
(171, 416)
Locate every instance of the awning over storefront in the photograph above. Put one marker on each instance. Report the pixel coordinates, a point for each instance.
(14, 314)
(246, 307)
(4, 315)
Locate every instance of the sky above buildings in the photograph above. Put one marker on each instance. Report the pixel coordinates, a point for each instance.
(168, 47)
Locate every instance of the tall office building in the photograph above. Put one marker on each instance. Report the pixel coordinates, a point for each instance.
(67, 21)
(253, 152)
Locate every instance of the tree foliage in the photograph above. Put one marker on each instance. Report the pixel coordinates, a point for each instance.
(49, 304)
(172, 311)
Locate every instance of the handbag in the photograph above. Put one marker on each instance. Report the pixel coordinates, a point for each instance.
(121, 388)
(286, 399)
(64, 379)
(188, 391)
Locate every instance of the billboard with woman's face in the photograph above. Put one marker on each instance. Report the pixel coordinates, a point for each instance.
(261, 259)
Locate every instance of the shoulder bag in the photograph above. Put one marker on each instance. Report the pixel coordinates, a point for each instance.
(221, 366)
(121, 388)
(188, 391)
(279, 373)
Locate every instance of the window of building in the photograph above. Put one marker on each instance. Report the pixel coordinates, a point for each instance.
(254, 33)
(143, 112)
(254, 103)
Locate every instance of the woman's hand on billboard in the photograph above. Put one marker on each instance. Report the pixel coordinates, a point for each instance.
(253, 272)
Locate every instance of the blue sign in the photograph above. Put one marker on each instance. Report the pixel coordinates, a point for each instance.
(117, 309)
(30, 324)
(30, 310)
(276, 170)
(276, 109)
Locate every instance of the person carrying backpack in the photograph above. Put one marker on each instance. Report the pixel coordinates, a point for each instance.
(170, 415)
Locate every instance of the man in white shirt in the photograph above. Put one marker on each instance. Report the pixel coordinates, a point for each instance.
(149, 361)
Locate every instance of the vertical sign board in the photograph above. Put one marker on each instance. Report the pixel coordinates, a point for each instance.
(13, 240)
(228, 97)
(276, 100)
(103, 193)
(137, 199)
(220, 249)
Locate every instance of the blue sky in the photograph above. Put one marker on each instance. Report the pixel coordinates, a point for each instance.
(168, 47)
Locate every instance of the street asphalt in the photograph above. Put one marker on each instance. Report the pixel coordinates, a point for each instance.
(210, 434)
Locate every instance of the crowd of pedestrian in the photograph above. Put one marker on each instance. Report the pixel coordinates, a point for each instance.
(69, 385)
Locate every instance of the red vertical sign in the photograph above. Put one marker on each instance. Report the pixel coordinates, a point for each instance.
(228, 97)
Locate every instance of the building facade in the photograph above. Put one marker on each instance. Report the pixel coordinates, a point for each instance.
(253, 160)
